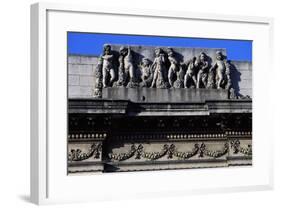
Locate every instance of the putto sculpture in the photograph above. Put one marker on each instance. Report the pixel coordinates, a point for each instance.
(174, 67)
(146, 73)
(126, 75)
(190, 78)
(108, 72)
(203, 67)
(165, 71)
(159, 69)
(222, 70)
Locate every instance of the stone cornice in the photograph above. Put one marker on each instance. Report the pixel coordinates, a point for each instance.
(125, 107)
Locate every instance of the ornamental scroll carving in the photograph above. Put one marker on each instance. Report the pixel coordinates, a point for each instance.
(166, 70)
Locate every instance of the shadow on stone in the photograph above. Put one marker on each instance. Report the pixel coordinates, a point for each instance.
(235, 78)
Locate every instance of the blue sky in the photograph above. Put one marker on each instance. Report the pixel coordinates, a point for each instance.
(92, 43)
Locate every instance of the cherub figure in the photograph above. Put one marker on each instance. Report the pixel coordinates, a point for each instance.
(179, 83)
(159, 70)
(222, 69)
(122, 76)
(174, 68)
(190, 78)
(128, 63)
(108, 73)
(146, 73)
(203, 69)
(126, 68)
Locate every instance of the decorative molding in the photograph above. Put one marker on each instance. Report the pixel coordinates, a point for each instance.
(170, 150)
(78, 155)
(238, 133)
(87, 136)
(210, 153)
(177, 136)
(183, 155)
(152, 155)
(235, 145)
(123, 156)
(160, 135)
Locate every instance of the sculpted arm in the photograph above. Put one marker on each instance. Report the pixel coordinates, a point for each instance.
(214, 67)
(205, 66)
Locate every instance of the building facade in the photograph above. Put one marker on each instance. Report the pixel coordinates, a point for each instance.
(144, 108)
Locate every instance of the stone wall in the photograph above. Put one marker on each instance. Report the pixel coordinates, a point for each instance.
(81, 77)
(81, 69)
(242, 77)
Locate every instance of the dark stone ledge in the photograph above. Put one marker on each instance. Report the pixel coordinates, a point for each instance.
(125, 107)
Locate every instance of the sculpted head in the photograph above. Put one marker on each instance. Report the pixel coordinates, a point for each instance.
(219, 55)
(202, 56)
(106, 49)
(170, 51)
(196, 61)
(145, 62)
(123, 51)
(158, 51)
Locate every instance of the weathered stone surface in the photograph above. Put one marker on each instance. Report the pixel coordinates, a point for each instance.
(79, 91)
(73, 80)
(164, 95)
(89, 60)
(80, 69)
(87, 81)
(74, 59)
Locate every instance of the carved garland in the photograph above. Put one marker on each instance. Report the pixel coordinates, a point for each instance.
(183, 155)
(152, 155)
(235, 145)
(215, 154)
(168, 150)
(171, 151)
(78, 155)
(123, 156)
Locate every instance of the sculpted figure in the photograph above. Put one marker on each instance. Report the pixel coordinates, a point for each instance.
(190, 78)
(129, 68)
(98, 83)
(108, 72)
(222, 70)
(211, 79)
(126, 68)
(159, 70)
(173, 69)
(122, 75)
(203, 69)
(179, 83)
(146, 73)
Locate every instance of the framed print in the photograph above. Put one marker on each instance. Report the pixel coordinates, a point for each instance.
(149, 103)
